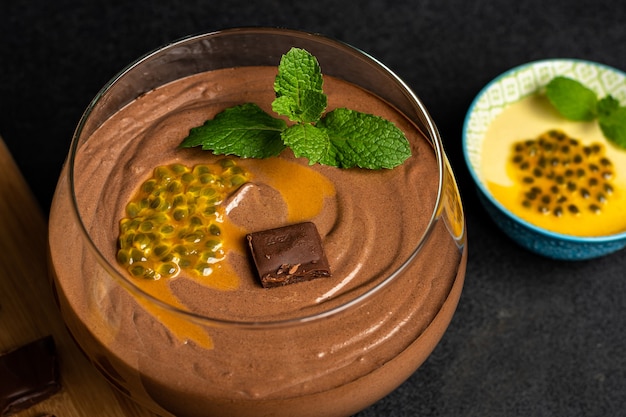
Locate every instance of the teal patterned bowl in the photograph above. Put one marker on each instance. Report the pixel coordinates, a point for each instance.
(506, 89)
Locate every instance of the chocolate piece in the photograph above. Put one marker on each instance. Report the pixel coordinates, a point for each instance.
(288, 254)
(28, 375)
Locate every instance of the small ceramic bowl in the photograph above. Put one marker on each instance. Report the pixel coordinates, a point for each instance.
(506, 89)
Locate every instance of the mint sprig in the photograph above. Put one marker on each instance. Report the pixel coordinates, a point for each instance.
(341, 138)
(244, 130)
(298, 87)
(574, 101)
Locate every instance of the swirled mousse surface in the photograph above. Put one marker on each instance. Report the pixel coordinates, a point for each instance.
(369, 221)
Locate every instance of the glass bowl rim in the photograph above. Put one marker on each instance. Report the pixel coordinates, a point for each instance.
(433, 137)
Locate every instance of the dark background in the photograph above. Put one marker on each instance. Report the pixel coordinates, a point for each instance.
(531, 336)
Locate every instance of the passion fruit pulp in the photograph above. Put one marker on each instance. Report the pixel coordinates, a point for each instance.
(561, 176)
(173, 221)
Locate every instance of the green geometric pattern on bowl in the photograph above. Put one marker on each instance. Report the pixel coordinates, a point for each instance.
(527, 79)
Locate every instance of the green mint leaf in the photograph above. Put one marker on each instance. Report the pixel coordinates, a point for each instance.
(612, 120)
(308, 110)
(246, 131)
(298, 87)
(363, 140)
(342, 138)
(576, 102)
(572, 99)
(606, 106)
(306, 140)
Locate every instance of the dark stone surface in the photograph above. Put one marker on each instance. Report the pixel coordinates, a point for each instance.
(532, 336)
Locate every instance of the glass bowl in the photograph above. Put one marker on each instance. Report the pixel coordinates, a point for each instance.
(209, 352)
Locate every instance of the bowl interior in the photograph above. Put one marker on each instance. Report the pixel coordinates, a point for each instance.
(520, 82)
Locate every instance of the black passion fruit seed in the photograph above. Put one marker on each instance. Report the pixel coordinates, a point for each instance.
(173, 221)
(561, 176)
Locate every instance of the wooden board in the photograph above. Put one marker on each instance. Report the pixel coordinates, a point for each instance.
(28, 311)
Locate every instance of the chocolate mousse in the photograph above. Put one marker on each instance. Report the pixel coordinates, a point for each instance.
(324, 346)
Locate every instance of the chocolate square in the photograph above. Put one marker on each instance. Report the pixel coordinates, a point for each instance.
(28, 375)
(288, 254)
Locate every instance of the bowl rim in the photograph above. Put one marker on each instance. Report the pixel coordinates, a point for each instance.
(432, 134)
(482, 187)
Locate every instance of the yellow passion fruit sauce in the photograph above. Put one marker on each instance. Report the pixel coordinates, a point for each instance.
(563, 184)
(559, 175)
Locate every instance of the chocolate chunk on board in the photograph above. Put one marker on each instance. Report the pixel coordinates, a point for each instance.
(288, 254)
(28, 375)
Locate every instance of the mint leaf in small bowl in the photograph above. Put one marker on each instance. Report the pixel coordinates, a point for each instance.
(576, 102)
(612, 121)
(572, 99)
